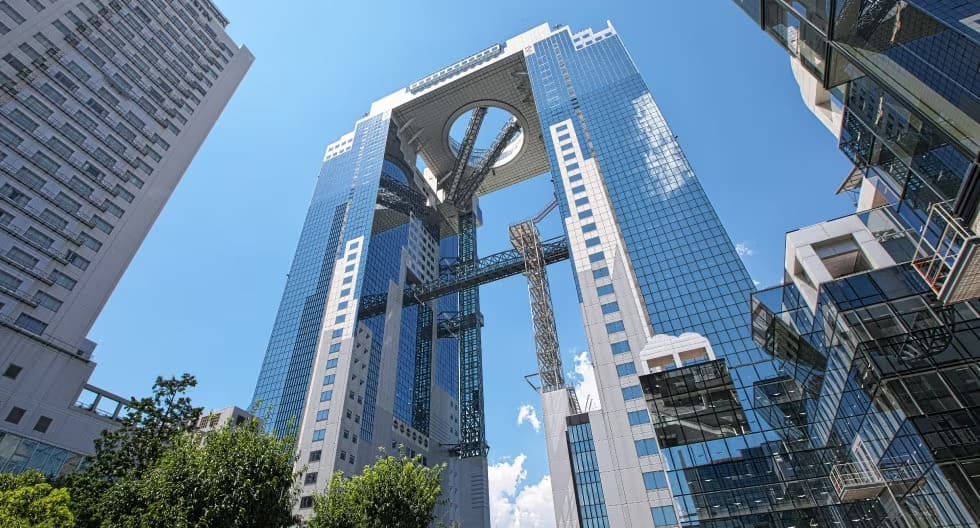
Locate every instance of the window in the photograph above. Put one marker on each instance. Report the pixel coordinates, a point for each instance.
(328, 379)
(9, 282)
(646, 447)
(319, 434)
(663, 516)
(326, 395)
(588, 228)
(605, 289)
(600, 273)
(615, 326)
(15, 415)
(571, 166)
(577, 189)
(347, 280)
(306, 502)
(77, 260)
(42, 424)
(315, 455)
(331, 363)
(342, 305)
(47, 301)
(30, 324)
(620, 347)
(632, 392)
(609, 308)
(344, 293)
(38, 238)
(582, 201)
(337, 333)
(335, 347)
(21, 257)
(638, 417)
(592, 242)
(62, 280)
(309, 478)
(349, 268)
(585, 214)
(343, 455)
(12, 371)
(655, 480)
(625, 369)
(596, 257)
(322, 415)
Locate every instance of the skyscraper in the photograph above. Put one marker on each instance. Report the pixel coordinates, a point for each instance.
(377, 339)
(104, 104)
(875, 325)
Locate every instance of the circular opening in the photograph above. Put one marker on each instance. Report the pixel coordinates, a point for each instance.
(493, 124)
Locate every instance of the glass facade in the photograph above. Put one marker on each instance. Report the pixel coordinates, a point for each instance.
(585, 471)
(341, 211)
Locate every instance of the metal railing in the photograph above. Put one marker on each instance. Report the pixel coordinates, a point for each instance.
(946, 256)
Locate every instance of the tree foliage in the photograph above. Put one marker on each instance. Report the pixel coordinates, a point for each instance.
(28, 501)
(124, 455)
(395, 492)
(235, 477)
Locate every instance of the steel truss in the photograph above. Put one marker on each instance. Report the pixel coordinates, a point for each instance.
(454, 277)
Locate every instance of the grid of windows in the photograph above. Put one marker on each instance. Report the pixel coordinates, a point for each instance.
(585, 469)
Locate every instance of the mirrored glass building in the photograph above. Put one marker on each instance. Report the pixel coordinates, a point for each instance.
(875, 324)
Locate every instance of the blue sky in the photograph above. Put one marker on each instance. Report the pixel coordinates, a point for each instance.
(202, 293)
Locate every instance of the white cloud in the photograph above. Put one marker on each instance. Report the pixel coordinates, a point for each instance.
(757, 283)
(585, 385)
(529, 507)
(744, 250)
(528, 414)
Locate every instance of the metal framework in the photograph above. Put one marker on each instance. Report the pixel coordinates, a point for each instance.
(422, 395)
(463, 196)
(472, 429)
(527, 241)
(465, 149)
(454, 278)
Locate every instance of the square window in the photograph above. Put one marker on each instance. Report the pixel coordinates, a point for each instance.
(15, 414)
(322, 415)
(42, 424)
(310, 478)
(335, 347)
(319, 434)
(609, 308)
(306, 502)
(620, 347)
(638, 417)
(632, 392)
(326, 395)
(625, 369)
(12, 371)
(328, 379)
(663, 516)
(615, 326)
(646, 447)
(337, 333)
(315, 455)
(331, 363)
(654, 480)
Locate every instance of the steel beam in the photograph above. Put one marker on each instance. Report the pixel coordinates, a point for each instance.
(465, 149)
(463, 197)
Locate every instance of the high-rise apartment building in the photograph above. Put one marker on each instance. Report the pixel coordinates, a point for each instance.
(377, 339)
(876, 327)
(103, 105)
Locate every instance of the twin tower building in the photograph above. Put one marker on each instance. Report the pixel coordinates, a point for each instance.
(719, 406)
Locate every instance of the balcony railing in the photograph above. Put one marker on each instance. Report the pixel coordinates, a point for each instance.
(947, 257)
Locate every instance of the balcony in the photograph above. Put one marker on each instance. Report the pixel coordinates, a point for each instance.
(856, 482)
(947, 257)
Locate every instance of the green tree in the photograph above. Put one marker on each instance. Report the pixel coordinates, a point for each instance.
(28, 501)
(122, 456)
(234, 477)
(395, 492)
